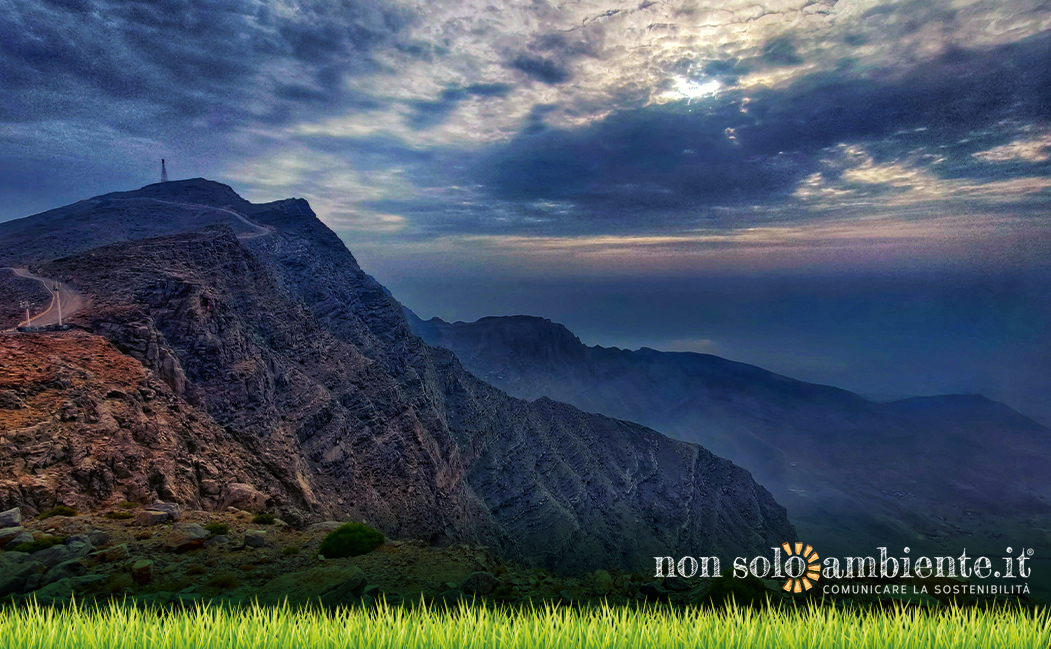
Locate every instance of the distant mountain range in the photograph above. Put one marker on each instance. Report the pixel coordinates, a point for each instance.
(278, 363)
(942, 472)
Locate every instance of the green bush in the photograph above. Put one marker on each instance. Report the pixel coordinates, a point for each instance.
(217, 528)
(224, 580)
(350, 540)
(749, 591)
(290, 550)
(127, 504)
(39, 544)
(58, 510)
(263, 519)
(117, 516)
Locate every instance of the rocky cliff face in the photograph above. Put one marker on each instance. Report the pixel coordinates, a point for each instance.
(306, 361)
(938, 472)
(87, 426)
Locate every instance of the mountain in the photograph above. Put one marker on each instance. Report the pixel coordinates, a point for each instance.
(257, 317)
(941, 472)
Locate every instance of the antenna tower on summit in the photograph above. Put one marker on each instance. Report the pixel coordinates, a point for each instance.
(164, 172)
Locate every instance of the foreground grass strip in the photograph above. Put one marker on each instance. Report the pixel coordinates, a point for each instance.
(127, 627)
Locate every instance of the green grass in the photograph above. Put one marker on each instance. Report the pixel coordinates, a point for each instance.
(217, 528)
(126, 627)
(39, 544)
(58, 510)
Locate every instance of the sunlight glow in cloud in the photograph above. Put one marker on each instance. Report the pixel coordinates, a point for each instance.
(687, 89)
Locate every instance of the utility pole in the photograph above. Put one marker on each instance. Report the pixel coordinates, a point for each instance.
(164, 172)
(25, 305)
(58, 299)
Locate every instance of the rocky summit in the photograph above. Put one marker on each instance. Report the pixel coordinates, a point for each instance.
(242, 356)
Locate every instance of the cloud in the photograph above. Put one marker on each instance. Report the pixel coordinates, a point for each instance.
(1027, 150)
(537, 119)
(138, 65)
(541, 69)
(781, 51)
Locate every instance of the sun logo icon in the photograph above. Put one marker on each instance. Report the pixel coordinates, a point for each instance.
(801, 567)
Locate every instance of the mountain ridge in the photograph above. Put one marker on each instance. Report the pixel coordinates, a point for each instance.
(294, 351)
(849, 470)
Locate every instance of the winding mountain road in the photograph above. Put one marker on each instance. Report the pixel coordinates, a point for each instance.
(259, 230)
(69, 300)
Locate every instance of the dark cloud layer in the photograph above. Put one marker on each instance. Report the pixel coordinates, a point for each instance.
(756, 146)
(135, 63)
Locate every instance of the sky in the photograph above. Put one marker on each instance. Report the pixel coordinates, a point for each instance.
(851, 192)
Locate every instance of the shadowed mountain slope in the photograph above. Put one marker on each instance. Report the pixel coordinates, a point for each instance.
(264, 320)
(942, 472)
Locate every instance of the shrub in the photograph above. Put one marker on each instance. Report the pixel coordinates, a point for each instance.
(350, 540)
(58, 510)
(224, 580)
(290, 550)
(217, 528)
(127, 504)
(35, 546)
(749, 591)
(263, 519)
(196, 570)
(248, 567)
(118, 581)
(117, 516)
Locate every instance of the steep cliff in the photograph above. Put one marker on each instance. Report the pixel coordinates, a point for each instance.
(276, 333)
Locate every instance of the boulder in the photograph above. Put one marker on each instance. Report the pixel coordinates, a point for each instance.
(98, 538)
(11, 559)
(65, 570)
(255, 538)
(479, 583)
(13, 576)
(243, 496)
(347, 592)
(87, 582)
(603, 582)
(116, 553)
(57, 591)
(173, 510)
(57, 554)
(185, 537)
(142, 571)
(8, 534)
(210, 488)
(78, 538)
(151, 517)
(10, 518)
(24, 537)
